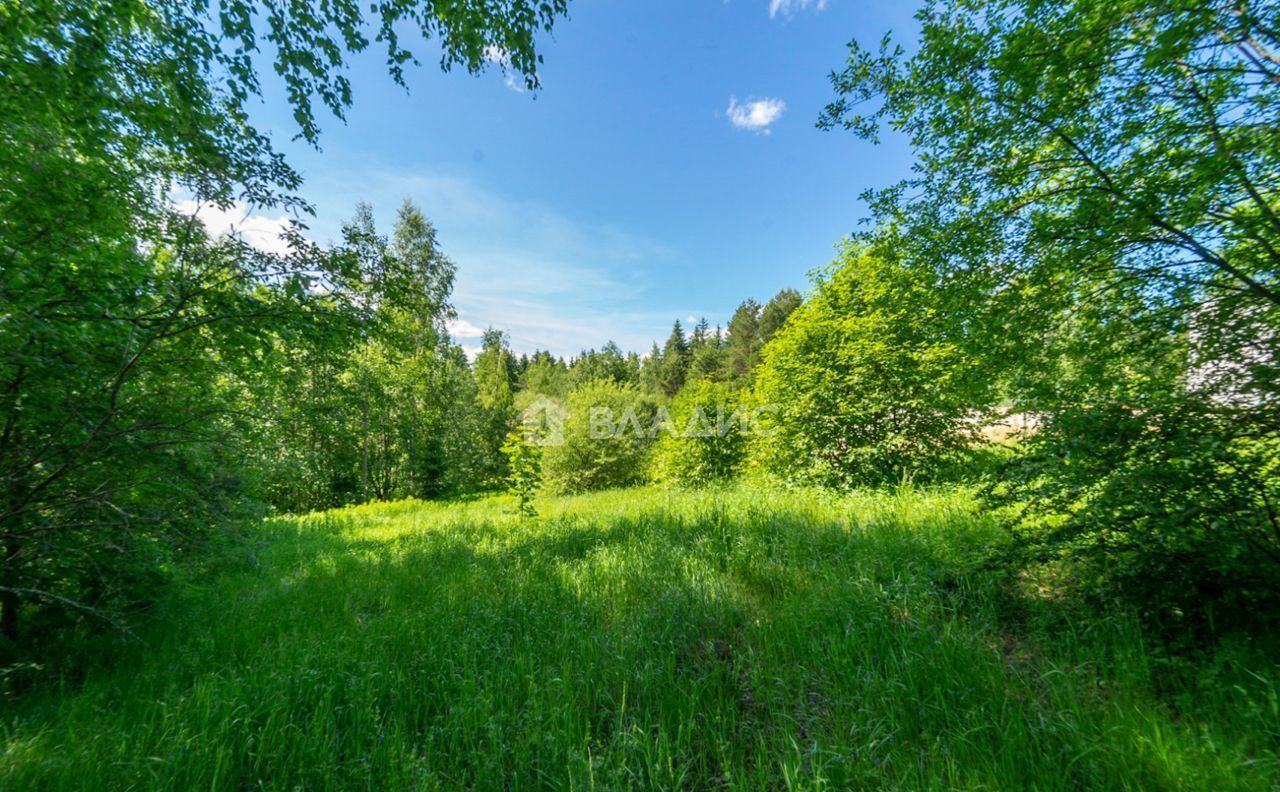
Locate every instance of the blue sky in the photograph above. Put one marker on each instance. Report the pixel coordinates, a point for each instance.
(669, 167)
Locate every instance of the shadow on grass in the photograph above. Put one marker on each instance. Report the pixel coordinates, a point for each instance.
(676, 641)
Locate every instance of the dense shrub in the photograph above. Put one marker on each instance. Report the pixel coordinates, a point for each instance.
(1117, 260)
(607, 433)
(1171, 509)
(704, 440)
(866, 382)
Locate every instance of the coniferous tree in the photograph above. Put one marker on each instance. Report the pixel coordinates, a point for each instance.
(496, 380)
(675, 361)
(775, 313)
(701, 334)
(651, 371)
(633, 367)
(744, 339)
(545, 375)
(707, 358)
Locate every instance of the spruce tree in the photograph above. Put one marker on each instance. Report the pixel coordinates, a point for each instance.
(744, 338)
(775, 313)
(675, 361)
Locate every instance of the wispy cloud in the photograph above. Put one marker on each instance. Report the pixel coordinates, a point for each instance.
(755, 115)
(499, 57)
(551, 282)
(264, 232)
(788, 7)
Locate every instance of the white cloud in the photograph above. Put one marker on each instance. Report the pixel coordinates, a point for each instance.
(549, 281)
(755, 114)
(788, 7)
(461, 328)
(259, 230)
(499, 57)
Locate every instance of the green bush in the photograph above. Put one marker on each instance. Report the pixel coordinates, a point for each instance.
(1171, 509)
(867, 382)
(608, 430)
(705, 438)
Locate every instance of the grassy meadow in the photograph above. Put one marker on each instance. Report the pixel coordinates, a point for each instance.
(736, 639)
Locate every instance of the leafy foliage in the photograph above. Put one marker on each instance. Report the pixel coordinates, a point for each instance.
(136, 352)
(609, 363)
(608, 430)
(1084, 140)
(1171, 507)
(867, 382)
(388, 409)
(1096, 198)
(704, 441)
(496, 376)
(524, 460)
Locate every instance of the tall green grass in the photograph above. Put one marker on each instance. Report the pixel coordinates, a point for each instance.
(733, 639)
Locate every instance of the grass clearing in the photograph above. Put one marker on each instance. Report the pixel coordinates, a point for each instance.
(738, 639)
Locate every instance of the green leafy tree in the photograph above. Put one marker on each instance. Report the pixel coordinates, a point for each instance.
(366, 416)
(774, 314)
(1095, 198)
(1083, 140)
(545, 375)
(132, 341)
(496, 375)
(608, 431)
(867, 382)
(121, 407)
(704, 440)
(496, 381)
(607, 364)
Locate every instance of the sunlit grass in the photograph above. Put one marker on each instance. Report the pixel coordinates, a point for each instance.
(741, 639)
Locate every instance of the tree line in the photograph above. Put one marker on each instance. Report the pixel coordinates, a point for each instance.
(719, 354)
(156, 382)
(1090, 236)
(1090, 239)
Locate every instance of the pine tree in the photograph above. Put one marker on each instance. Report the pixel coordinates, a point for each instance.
(701, 335)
